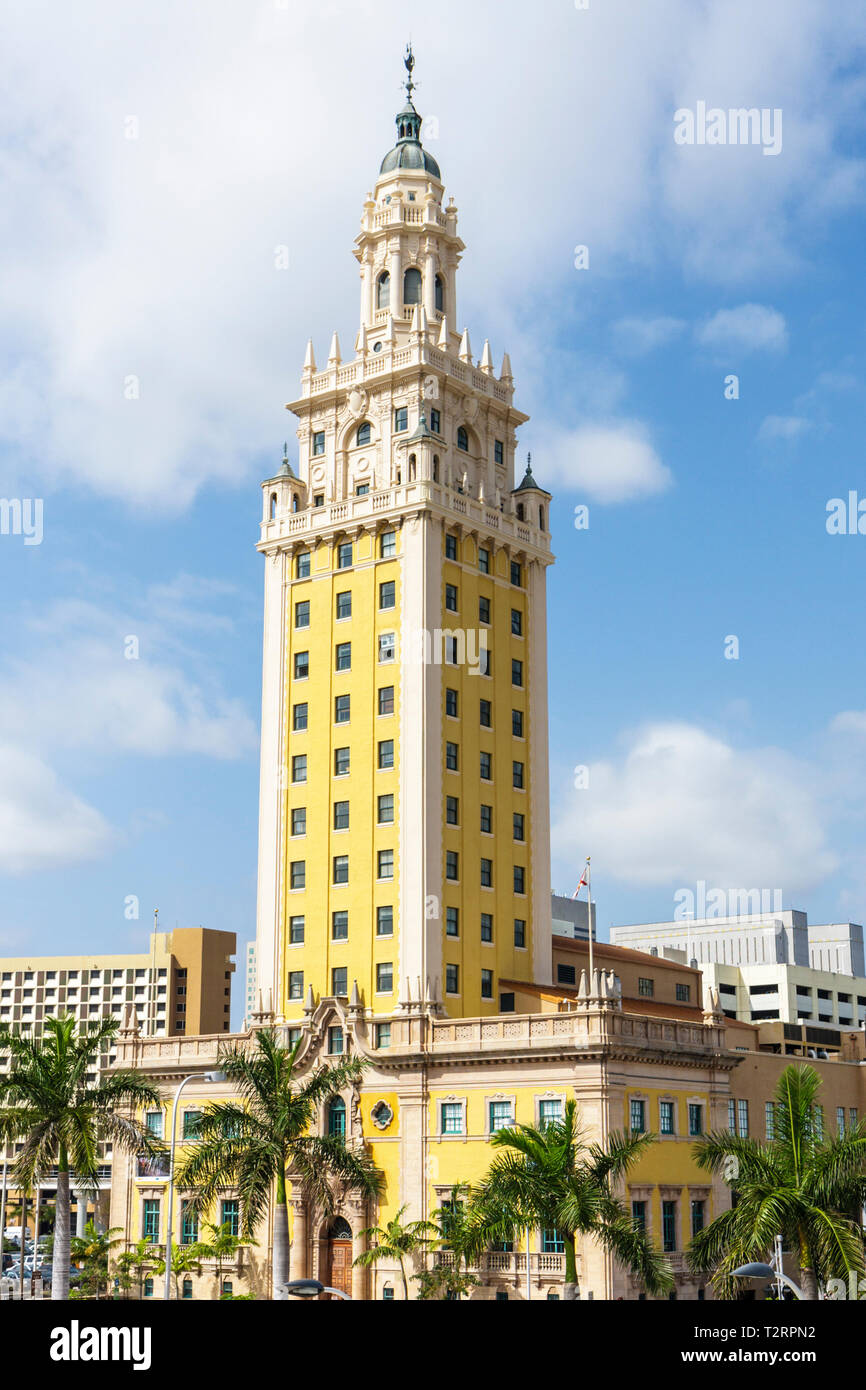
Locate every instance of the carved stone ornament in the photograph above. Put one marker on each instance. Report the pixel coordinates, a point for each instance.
(382, 1115)
(357, 403)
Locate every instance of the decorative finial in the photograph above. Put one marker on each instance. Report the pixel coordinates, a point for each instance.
(285, 452)
(409, 64)
(528, 464)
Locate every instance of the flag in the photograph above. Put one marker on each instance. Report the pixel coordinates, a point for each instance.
(583, 883)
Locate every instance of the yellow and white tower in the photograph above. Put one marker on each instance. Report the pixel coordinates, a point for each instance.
(404, 852)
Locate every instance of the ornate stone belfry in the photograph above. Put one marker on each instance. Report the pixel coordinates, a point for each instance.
(413, 440)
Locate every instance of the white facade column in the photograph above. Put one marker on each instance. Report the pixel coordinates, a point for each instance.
(80, 1214)
(395, 268)
(273, 777)
(430, 287)
(298, 1253)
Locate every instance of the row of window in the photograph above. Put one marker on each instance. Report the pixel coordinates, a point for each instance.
(452, 927)
(452, 872)
(499, 1113)
(340, 870)
(364, 435)
(17, 976)
(340, 981)
(667, 1117)
(345, 554)
(343, 656)
(670, 1220)
(230, 1216)
(387, 601)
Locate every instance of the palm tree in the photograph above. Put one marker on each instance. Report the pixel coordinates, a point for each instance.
(221, 1244)
(91, 1251)
(451, 1277)
(46, 1100)
(185, 1259)
(396, 1241)
(798, 1184)
(262, 1141)
(134, 1265)
(553, 1179)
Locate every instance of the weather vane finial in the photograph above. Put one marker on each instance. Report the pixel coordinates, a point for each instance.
(409, 63)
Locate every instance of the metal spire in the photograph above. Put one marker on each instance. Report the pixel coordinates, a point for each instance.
(409, 64)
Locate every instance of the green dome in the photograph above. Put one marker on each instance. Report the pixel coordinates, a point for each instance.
(408, 153)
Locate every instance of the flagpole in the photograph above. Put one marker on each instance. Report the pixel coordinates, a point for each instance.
(589, 900)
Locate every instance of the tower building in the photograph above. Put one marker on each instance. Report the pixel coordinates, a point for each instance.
(404, 823)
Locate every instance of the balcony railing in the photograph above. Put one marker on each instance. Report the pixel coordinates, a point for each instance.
(513, 1264)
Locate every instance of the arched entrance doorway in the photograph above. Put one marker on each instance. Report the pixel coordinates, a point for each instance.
(340, 1256)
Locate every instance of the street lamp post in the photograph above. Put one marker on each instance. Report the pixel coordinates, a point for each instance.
(311, 1288)
(208, 1076)
(761, 1271)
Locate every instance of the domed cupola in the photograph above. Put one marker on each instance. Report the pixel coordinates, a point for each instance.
(408, 153)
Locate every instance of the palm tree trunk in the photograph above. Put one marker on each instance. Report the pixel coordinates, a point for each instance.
(808, 1283)
(405, 1280)
(280, 1263)
(571, 1292)
(60, 1282)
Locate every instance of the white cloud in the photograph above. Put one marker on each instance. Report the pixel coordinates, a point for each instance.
(852, 721)
(638, 336)
(682, 806)
(603, 463)
(748, 328)
(154, 257)
(783, 427)
(43, 825)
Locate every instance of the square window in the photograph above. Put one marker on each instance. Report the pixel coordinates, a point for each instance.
(500, 1115)
(450, 547)
(339, 926)
(335, 1042)
(486, 820)
(487, 873)
(385, 978)
(451, 704)
(452, 757)
(298, 874)
(401, 420)
(383, 1035)
(486, 767)
(341, 815)
(645, 987)
(566, 975)
(341, 869)
(516, 574)
(341, 762)
(343, 656)
(452, 810)
(386, 754)
(296, 984)
(519, 879)
(487, 984)
(385, 806)
(452, 866)
(302, 666)
(342, 709)
(299, 768)
(452, 979)
(340, 982)
(486, 714)
(519, 932)
(302, 565)
(388, 545)
(637, 1116)
(517, 775)
(498, 452)
(549, 1112)
(302, 614)
(519, 827)
(299, 821)
(386, 700)
(452, 921)
(385, 863)
(684, 994)
(517, 723)
(484, 561)
(296, 931)
(344, 606)
(318, 443)
(345, 555)
(517, 673)
(436, 421)
(487, 928)
(388, 595)
(300, 719)
(387, 647)
(451, 598)
(484, 611)
(319, 499)
(384, 921)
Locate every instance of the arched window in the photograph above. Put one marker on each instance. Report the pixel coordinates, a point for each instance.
(412, 286)
(383, 291)
(520, 516)
(341, 1230)
(365, 433)
(296, 502)
(440, 294)
(273, 505)
(463, 439)
(337, 1117)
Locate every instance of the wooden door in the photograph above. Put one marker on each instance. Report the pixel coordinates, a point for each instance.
(341, 1266)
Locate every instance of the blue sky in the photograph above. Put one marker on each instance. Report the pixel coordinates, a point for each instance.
(152, 179)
